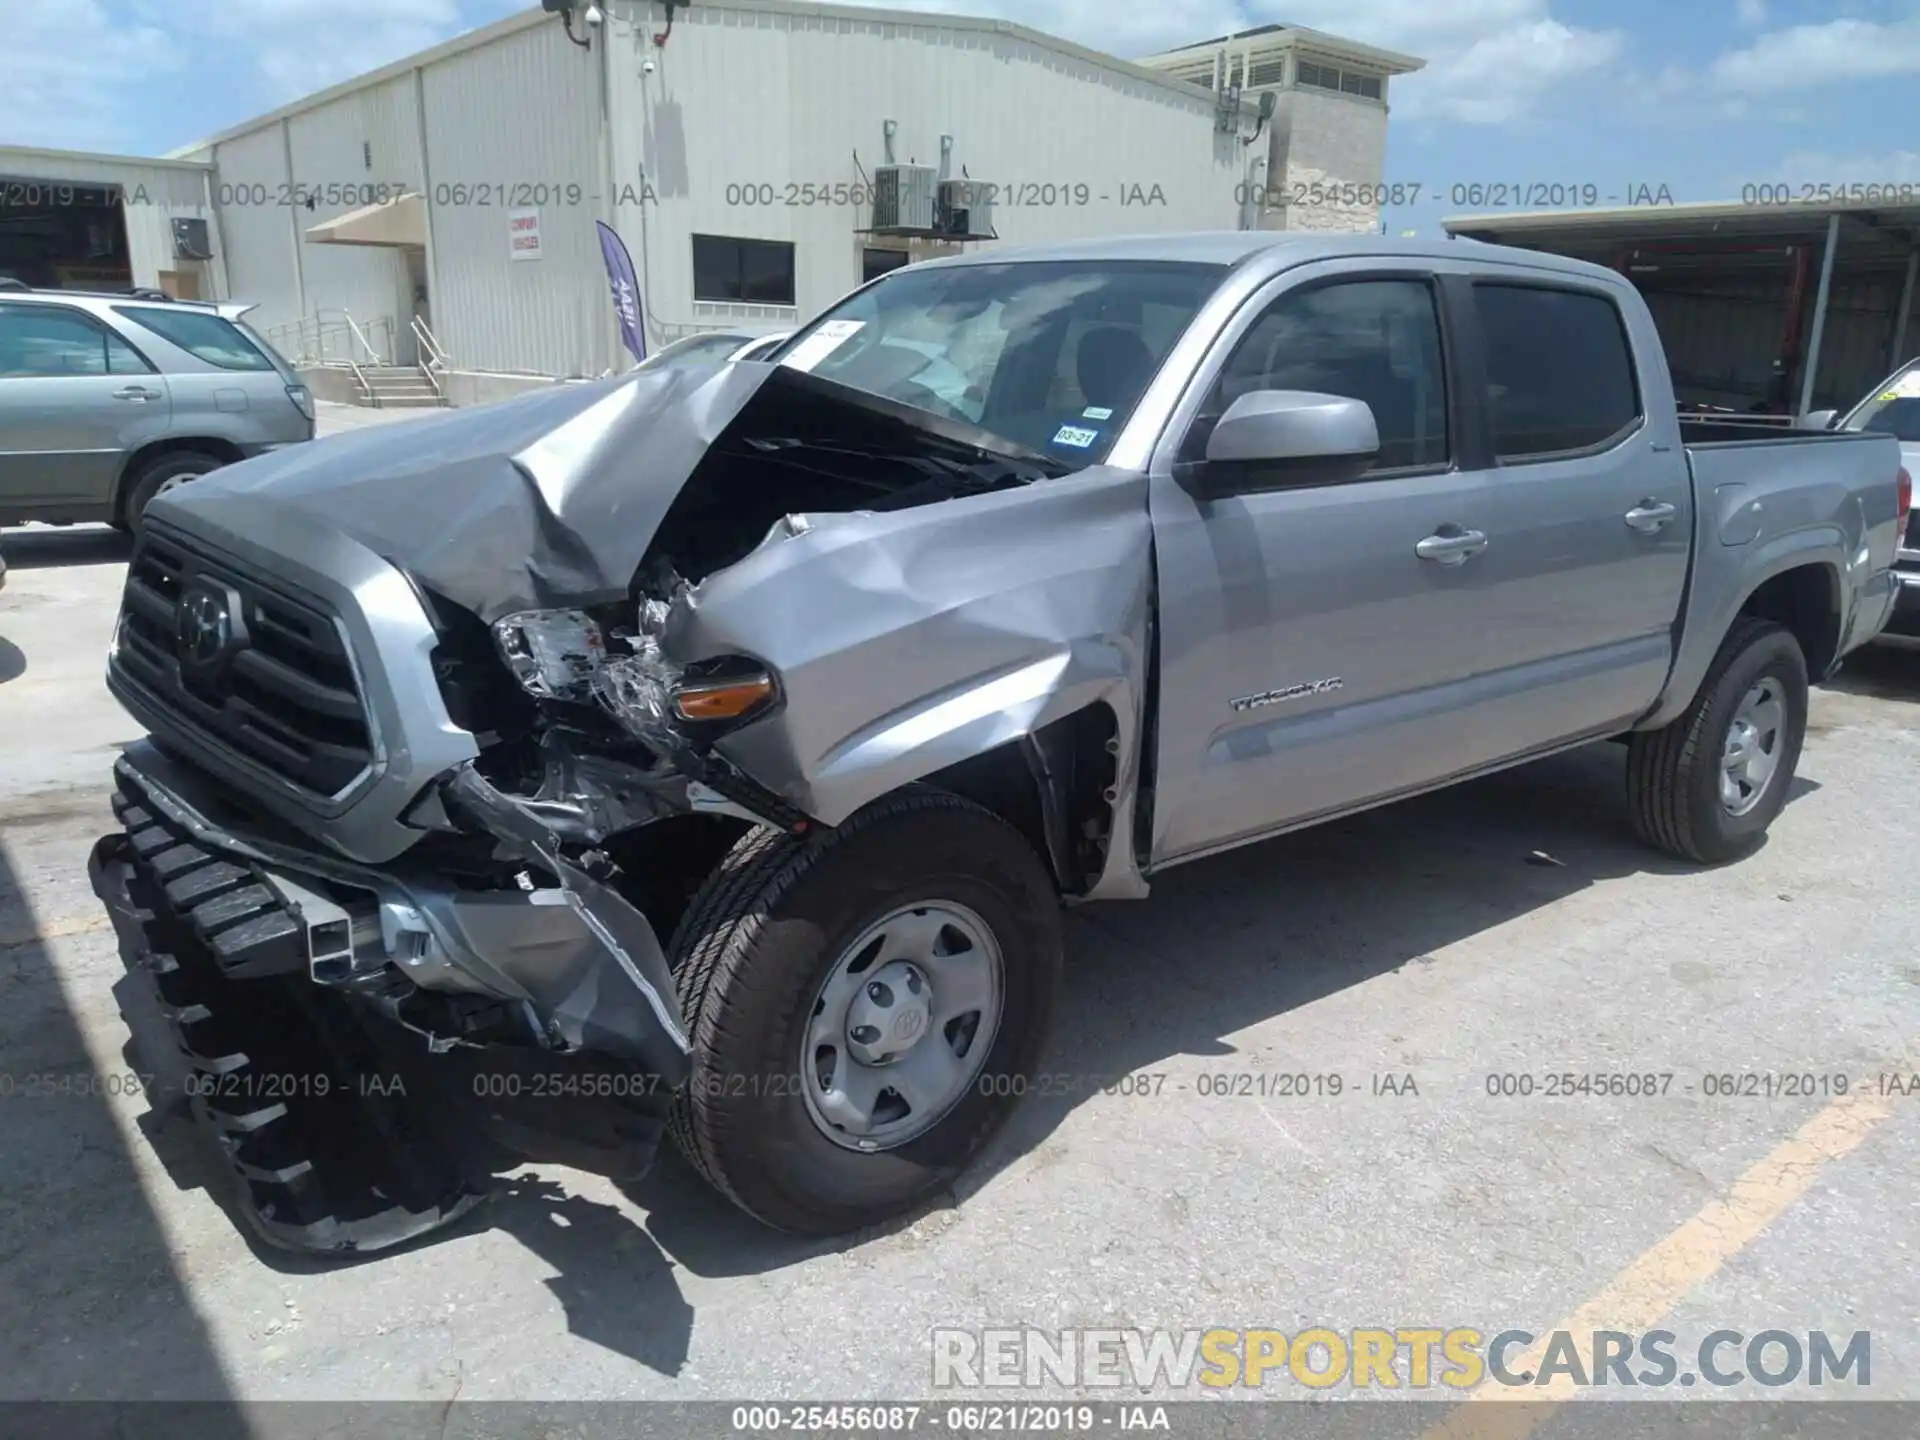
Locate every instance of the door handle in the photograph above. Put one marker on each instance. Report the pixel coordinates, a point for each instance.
(136, 392)
(1454, 549)
(1650, 516)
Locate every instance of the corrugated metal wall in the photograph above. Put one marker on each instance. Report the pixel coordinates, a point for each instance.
(251, 190)
(155, 195)
(518, 121)
(1722, 335)
(745, 103)
(354, 151)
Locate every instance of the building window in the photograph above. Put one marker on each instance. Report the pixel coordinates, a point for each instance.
(1331, 77)
(1269, 72)
(875, 263)
(749, 272)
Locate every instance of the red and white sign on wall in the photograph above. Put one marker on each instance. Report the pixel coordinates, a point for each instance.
(523, 234)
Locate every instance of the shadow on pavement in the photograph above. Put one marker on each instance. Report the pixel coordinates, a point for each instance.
(91, 1305)
(1227, 943)
(13, 661)
(43, 547)
(1222, 945)
(1879, 672)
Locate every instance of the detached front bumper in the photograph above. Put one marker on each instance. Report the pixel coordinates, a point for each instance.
(365, 1046)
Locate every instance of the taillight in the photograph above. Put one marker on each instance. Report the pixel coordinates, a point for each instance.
(1906, 501)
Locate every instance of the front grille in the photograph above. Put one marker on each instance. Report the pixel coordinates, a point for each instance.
(278, 686)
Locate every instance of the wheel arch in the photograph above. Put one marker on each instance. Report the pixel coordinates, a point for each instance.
(1058, 785)
(137, 461)
(1797, 583)
(1804, 600)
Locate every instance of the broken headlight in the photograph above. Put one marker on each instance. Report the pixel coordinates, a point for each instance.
(728, 691)
(554, 654)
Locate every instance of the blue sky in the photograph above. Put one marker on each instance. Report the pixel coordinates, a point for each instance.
(1702, 97)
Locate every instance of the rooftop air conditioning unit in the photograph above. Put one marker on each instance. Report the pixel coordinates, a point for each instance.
(905, 197)
(966, 209)
(190, 240)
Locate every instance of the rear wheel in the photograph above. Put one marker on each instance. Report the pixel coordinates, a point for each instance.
(1707, 786)
(159, 475)
(866, 1006)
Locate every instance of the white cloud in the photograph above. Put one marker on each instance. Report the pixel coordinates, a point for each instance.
(1819, 167)
(65, 67)
(1806, 56)
(67, 72)
(1500, 77)
(1488, 61)
(1119, 29)
(290, 48)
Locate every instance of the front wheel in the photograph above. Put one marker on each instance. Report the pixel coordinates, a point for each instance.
(1707, 785)
(866, 1006)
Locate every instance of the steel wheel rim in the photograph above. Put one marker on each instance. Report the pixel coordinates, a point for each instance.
(1756, 738)
(881, 1067)
(174, 482)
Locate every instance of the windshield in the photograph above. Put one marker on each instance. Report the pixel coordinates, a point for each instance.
(1893, 409)
(1051, 355)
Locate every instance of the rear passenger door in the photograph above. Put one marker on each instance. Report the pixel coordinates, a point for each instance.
(1321, 646)
(1592, 519)
(75, 398)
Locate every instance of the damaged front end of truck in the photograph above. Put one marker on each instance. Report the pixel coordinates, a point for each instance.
(449, 725)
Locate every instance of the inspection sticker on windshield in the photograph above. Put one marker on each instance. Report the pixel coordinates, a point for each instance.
(822, 343)
(1096, 412)
(1075, 436)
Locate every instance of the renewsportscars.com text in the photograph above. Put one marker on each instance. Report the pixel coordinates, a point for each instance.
(1392, 1358)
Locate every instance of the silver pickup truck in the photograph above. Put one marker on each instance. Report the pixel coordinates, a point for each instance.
(711, 750)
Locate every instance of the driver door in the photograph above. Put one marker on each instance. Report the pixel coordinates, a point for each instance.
(1314, 655)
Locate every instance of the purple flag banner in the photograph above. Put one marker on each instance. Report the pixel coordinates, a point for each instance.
(626, 290)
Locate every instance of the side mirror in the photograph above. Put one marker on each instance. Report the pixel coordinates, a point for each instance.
(1819, 419)
(1283, 439)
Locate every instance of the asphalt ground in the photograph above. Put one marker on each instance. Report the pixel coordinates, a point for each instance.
(1187, 1166)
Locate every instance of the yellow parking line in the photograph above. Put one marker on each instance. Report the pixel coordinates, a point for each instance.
(1652, 1285)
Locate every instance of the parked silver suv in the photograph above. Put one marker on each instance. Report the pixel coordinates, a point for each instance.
(107, 400)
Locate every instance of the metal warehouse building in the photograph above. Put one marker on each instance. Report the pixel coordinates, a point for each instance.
(72, 221)
(1776, 308)
(758, 157)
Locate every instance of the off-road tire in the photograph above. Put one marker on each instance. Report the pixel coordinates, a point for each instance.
(145, 484)
(1673, 773)
(759, 939)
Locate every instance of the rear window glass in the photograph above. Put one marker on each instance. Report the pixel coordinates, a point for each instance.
(1559, 370)
(206, 337)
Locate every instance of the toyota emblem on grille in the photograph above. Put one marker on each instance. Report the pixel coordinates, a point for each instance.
(203, 625)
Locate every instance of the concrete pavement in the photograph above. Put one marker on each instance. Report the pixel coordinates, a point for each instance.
(1417, 948)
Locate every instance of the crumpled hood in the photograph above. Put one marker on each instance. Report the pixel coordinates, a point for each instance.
(546, 500)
